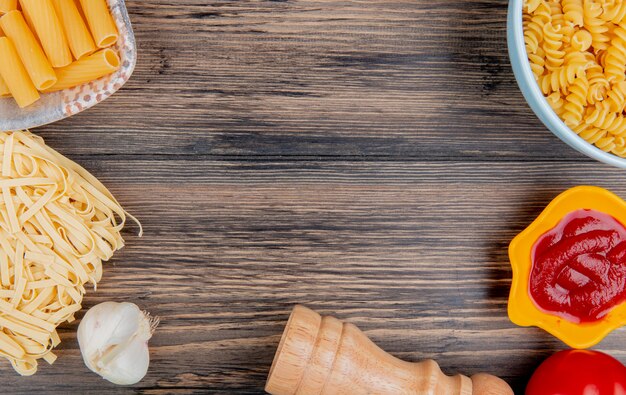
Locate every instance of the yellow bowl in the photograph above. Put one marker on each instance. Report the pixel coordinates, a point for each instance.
(522, 310)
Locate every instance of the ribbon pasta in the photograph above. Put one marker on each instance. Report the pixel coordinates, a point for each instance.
(57, 224)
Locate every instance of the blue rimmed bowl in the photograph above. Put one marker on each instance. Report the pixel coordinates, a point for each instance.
(533, 95)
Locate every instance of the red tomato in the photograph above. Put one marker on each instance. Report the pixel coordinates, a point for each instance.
(578, 372)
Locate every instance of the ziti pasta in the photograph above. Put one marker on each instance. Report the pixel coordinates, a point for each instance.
(4, 89)
(30, 52)
(100, 22)
(15, 76)
(55, 42)
(49, 30)
(80, 41)
(7, 5)
(577, 52)
(57, 224)
(87, 69)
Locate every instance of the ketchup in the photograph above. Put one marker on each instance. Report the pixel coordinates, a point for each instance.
(579, 267)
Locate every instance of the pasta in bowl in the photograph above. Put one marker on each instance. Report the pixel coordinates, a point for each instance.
(569, 59)
(60, 57)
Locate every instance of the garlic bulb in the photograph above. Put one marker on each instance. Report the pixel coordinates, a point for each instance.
(113, 339)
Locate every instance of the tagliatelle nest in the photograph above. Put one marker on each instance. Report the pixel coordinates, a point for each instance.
(57, 224)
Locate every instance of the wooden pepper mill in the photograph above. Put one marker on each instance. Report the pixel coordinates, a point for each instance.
(322, 355)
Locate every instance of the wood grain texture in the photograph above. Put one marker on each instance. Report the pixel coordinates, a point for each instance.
(369, 159)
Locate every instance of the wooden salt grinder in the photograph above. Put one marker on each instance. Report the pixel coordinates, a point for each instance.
(322, 355)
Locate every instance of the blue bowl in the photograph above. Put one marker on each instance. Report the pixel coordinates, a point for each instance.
(533, 95)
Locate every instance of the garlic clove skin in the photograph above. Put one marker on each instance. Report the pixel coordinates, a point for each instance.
(129, 366)
(107, 324)
(113, 339)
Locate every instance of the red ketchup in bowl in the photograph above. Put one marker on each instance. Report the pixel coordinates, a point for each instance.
(579, 267)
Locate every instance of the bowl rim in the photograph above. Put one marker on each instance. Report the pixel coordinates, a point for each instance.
(535, 98)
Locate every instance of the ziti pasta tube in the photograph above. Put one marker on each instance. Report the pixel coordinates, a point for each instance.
(31, 54)
(49, 31)
(87, 69)
(100, 22)
(4, 89)
(7, 5)
(78, 36)
(14, 74)
(29, 21)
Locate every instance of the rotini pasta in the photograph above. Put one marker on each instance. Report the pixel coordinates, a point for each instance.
(531, 5)
(576, 101)
(598, 84)
(620, 147)
(606, 144)
(559, 80)
(615, 63)
(552, 43)
(556, 13)
(533, 27)
(577, 52)
(581, 41)
(573, 55)
(573, 10)
(613, 11)
(598, 28)
(557, 103)
(616, 99)
(589, 133)
(537, 62)
(603, 118)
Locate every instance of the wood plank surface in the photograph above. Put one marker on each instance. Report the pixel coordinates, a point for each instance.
(369, 159)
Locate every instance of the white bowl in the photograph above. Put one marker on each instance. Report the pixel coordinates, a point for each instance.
(538, 103)
(55, 106)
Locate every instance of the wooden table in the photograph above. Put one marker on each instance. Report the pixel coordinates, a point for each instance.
(369, 159)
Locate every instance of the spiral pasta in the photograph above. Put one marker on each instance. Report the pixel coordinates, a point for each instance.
(615, 63)
(573, 10)
(614, 12)
(537, 62)
(616, 98)
(589, 132)
(602, 117)
(560, 79)
(557, 103)
(552, 43)
(598, 88)
(597, 27)
(577, 53)
(574, 55)
(531, 5)
(581, 41)
(576, 101)
(606, 144)
(533, 26)
(620, 147)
